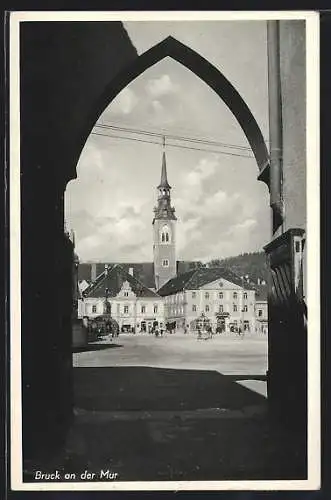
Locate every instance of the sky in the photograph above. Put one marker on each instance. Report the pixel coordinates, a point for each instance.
(222, 209)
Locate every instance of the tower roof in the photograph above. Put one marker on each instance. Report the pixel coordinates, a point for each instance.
(164, 181)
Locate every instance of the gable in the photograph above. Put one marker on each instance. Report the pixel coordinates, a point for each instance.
(126, 291)
(114, 280)
(221, 284)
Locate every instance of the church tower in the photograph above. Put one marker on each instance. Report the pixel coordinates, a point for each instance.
(164, 236)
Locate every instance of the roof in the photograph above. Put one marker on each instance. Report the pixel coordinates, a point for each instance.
(164, 180)
(261, 293)
(184, 265)
(113, 280)
(84, 272)
(143, 271)
(176, 284)
(195, 279)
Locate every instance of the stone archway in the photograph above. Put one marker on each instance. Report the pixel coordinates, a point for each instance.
(214, 78)
(63, 92)
(201, 67)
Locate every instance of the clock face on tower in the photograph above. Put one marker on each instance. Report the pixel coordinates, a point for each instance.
(165, 235)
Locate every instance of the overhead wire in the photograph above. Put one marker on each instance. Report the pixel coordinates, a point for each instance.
(172, 136)
(172, 145)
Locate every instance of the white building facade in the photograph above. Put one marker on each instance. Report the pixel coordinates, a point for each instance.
(261, 315)
(226, 304)
(133, 306)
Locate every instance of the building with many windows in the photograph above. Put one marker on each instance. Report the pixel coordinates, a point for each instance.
(261, 310)
(128, 301)
(167, 291)
(226, 300)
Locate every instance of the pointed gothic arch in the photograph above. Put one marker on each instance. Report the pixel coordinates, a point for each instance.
(201, 67)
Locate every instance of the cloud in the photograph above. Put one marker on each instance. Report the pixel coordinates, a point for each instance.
(213, 222)
(221, 208)
(157, 107)
(161, 86)
(159, 114)
(245, 225)
(103, 237)
(125, 102)
(192, 192)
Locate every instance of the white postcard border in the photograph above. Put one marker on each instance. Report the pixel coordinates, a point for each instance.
(313, 246)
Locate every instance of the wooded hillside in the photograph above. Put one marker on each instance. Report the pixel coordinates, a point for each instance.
(253, 265)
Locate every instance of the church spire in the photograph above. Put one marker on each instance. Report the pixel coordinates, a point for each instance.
(164, 230)
(164, 210)
(164, 180)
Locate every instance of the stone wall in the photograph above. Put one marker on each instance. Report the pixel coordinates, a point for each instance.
(65, 67)
(293, 96)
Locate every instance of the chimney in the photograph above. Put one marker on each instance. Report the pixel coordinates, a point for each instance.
(258, 281)
(131, 271)
(106, 269)
(93, 272)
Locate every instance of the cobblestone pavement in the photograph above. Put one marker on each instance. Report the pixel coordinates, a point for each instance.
(175, 408)
(227, 353)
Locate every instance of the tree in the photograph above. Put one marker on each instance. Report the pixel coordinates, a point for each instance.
(252, 264)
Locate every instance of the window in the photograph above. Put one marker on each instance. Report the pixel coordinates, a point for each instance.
(126, 294)
(245, 295)
(220, 295)
(194, 308)
(194, 294)
(260, 313)
(165, 263)
(165, 235)
(94, 309)
(235, 308)
(245, 309)
(126, 309)
(155, 309)
(235, 295)
(207, 295)
(143, 309)
(207, 308)
(220, 308)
